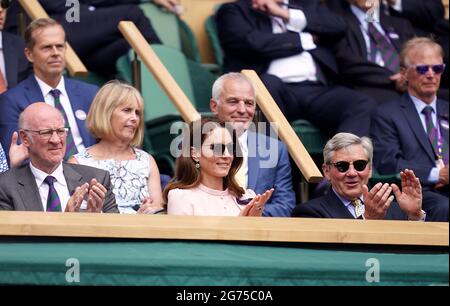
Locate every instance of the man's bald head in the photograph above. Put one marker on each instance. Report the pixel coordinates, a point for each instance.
(36, 113)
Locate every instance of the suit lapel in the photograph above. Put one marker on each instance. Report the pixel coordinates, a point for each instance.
(28, 189)
(414, 121)
(356, 32)
(73, 178)
(33, 92)
(336, 208)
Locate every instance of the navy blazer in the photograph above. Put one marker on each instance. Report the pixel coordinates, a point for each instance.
(269, 167)
(351, 51)
(15, 100)
(330, 206)
(248, 40)
(16, 64)
(400, 140)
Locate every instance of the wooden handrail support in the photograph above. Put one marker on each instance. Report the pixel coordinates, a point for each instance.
(287, 134)
(159, 71)
(74, 64)
(17, 223)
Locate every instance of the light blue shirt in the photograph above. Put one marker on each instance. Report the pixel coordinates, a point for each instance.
(348, 204)
(433, 177)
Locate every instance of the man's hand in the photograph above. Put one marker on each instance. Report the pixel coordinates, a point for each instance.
(77, 198)
(271, 7)
(443, 175)
(96, 196)
(400, 82)
(17, 152)
(256, 207)
(171, 5)
(410, 197)
(377, 201)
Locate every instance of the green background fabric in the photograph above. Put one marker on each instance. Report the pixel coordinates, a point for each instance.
(171, 263)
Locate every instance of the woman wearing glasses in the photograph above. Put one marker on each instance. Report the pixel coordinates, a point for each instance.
(116, 120)
(204, 183)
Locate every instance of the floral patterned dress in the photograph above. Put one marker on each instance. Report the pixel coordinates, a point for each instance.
(129, 178)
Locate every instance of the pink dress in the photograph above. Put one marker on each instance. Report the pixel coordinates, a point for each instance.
(204, 201)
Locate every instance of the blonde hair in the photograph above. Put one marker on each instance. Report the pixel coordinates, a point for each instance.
(413, 44)
(109, 97)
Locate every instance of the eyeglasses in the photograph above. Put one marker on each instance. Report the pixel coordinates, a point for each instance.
(4, 4)
(48, 133)
(343, 166)
(219, 148)
(423, 69)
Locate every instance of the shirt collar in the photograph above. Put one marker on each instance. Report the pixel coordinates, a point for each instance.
(420, 105)
(45, 88)
(40, 175)
(346, 201)
(361, 15)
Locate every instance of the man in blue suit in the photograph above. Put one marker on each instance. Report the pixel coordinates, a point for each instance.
(348, 167)
(412, 132)
(266, 161)
(45, 49)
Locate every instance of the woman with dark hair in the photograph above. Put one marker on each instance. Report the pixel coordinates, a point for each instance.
(204, 183)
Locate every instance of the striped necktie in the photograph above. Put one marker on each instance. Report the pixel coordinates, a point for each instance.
(53, 201)
(359, 208)
(387, 50)
(71, 149)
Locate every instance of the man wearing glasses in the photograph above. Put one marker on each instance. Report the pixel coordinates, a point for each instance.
(348, 167)
(412, 132)
(60, 187)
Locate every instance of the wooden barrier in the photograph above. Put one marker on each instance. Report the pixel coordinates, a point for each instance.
(273, 113)
(223, 228)
(159, 71)
(74, 64)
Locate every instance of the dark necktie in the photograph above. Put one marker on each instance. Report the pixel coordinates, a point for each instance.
(53, 201)
(387, 50)
(71, 149)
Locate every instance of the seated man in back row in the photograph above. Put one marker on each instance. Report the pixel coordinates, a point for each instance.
(348, 167)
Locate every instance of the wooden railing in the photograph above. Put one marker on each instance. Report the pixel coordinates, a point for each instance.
(34, 9)
(223, 228)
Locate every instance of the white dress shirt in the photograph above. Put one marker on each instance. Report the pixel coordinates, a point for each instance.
(243, 170)
(65, 102)
(60, 185)
(2, 60)
(299, 67)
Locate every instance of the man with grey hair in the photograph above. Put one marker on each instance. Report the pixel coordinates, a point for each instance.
(348, 167)
(412, 132)
(265, 160)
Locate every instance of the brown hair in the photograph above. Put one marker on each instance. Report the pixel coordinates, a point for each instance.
(35, 25)
(108, 98)
(415, 43)
(186, 174)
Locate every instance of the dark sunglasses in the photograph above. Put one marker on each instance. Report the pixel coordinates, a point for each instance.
(423, 69)
(342, 166)
(219, 148)
(4, 4)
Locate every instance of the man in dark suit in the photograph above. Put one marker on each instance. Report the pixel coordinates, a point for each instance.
(45, 49)
(364, 62)
(287, 45)
(14, 67)
(59, 186)
(266, 160)
(348, 167)
(96, 37)
(412, 132)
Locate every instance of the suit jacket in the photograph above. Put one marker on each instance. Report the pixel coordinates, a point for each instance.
(269, 167)
(248, 40)
(15, 100)
(18, 189)
(351, 51)
(330, 206)
(16, 65)
(400, 141)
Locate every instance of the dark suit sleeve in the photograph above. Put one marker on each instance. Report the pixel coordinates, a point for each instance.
(5, 201)
(422, 14)
(9, 117)
(305, 211)
(109, 206)
(388, 155)
(283, 198)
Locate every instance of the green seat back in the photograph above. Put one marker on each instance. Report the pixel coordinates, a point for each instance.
(211, 30)
(311, 137)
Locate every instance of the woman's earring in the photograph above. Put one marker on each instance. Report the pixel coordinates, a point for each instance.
(197, 165)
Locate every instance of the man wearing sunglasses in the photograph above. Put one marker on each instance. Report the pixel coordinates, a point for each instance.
(265, 160)
(412, 132)
(348, 167)
(14, 67)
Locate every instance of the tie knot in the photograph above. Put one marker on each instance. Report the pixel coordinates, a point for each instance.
(427, 110)
(50, 180)
(55, 93)
(356, 202)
